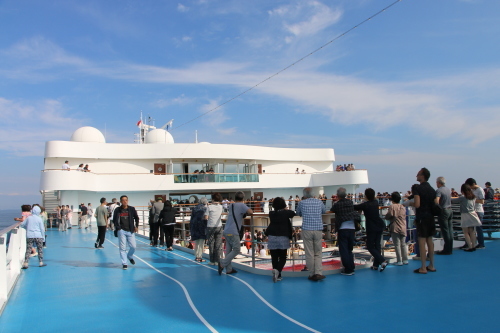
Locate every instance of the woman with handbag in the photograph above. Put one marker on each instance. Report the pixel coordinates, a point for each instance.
(469, 219)
(279, 234)
(198, 228)
(374, 228)
(214, 228)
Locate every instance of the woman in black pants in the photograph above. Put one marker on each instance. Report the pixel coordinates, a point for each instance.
(374, 228)
(167, 222)
(279, 235)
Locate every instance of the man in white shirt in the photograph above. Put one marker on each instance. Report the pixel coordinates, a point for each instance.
(225, 204)
(65, 166)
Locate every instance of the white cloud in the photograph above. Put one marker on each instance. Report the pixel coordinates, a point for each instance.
(227, 131)
(181, 8)
(214, 118)
(461, 105)
(305, 18)
(26, 126)
(164, 103)
(186, 39)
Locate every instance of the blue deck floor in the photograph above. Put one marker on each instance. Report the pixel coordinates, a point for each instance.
(85, 290)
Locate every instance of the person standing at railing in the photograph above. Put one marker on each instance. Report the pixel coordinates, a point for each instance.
(167, 223)
(279, 234)
(311, 210)
(479, 193)
(198, 228)
(445, 218)
(58, 216)
(83, 216)
(424, 198)
(101, 215)
(344, 225)
(90, 213)
(374, 229)
(213, 214)
(69, 216)
(155, 225)
(65, 166)
(225, 204)
(469, 218)
(63, 226)
(489, 193)
(126, 223)
(234, 223)
(111, 212)
(35, 235)
(396, 214)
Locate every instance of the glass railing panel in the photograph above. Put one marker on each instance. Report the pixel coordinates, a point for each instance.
(216, 178)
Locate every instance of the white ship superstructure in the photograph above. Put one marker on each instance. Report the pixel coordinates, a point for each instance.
(159, 167)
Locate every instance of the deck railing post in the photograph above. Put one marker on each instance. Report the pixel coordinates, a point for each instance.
(252, 229)
(3, 272)
(22, 245)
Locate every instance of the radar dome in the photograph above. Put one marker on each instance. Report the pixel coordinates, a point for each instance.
(88, 134)
(159, 136)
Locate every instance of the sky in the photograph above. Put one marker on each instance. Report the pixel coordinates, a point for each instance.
(415, 86)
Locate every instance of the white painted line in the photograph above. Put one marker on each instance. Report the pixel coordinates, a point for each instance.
(186, 293)
(253, 290)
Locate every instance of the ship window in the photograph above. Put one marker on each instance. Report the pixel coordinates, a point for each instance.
(242, 168)
(177, 168)
(195, 166)
(230, 168)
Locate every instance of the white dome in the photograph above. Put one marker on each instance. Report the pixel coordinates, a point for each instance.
(159, 136)
(88, 134)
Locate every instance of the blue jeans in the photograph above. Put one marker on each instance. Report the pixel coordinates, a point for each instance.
(126, 237)
(479, 231)
(233, 248)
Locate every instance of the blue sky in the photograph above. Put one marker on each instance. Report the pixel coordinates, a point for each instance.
(416, 86)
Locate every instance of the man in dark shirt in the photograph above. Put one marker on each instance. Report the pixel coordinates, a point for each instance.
(374, 228)
(83, 217)
(425, 197)
(344, 225)
(489, 193)
(123, 219)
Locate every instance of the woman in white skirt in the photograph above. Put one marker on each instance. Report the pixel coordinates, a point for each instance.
(468, 216)
(279, 233)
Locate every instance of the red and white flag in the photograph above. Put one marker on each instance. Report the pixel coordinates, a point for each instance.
(139, 123)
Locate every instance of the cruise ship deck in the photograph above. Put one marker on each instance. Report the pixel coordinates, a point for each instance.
(85, 290)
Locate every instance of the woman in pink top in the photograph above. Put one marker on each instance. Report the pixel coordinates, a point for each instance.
(396, 214)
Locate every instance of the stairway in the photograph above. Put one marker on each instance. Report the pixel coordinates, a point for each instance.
(51, 199)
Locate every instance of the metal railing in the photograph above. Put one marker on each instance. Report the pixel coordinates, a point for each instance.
(216, 177)
(12, 252)
(296, 254)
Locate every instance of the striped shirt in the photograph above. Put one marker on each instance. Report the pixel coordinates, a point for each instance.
(311, 209)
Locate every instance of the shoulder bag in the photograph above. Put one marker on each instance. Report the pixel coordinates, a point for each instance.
(240, 230)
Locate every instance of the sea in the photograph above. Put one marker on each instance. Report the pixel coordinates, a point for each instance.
(7, 217)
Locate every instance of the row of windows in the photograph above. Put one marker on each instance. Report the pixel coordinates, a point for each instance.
(217, 167)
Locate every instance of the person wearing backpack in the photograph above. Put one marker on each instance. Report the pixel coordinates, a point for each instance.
(234, 225)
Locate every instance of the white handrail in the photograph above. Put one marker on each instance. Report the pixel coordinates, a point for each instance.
(11, 261)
